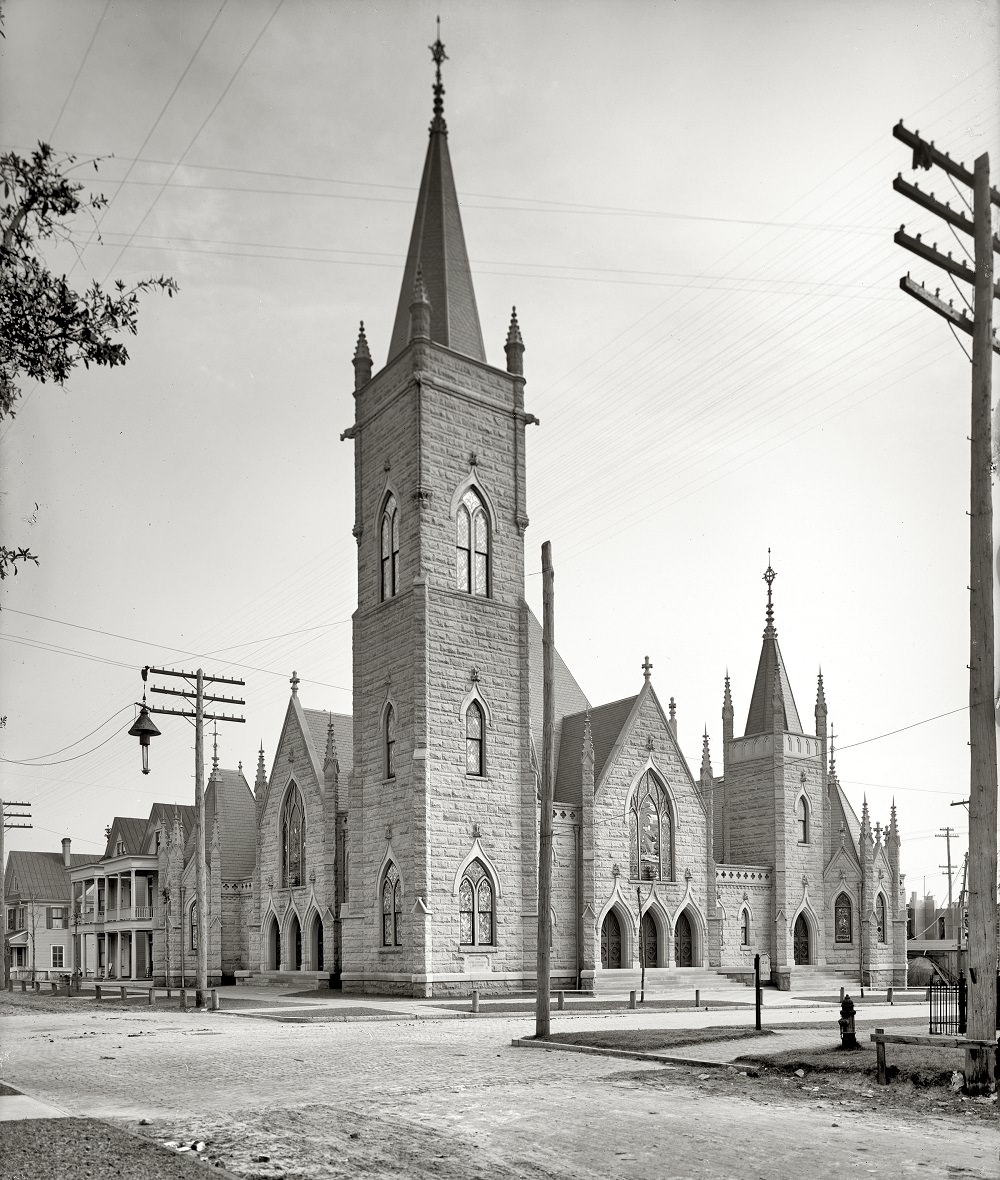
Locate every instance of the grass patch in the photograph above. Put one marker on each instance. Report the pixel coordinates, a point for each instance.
(658, 1039)
(923, 1065)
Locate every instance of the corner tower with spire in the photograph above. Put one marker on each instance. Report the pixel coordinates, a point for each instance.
(442, 770)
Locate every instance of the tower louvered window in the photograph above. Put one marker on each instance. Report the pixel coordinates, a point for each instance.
(473, 543)
(651, 832)
(475, 906)
(390, 549)
(293, 840)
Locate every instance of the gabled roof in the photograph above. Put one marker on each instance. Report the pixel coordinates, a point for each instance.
(570, 697)
(229, 799)
(343, 731)
(842, 810)
(130, 830)
(40, 876)
(437, 250)
(606, 724)
(162, 815)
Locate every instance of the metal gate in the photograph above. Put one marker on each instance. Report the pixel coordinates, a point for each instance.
(947, 1006)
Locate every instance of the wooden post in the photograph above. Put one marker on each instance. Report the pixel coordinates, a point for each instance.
(880, 1057)
(201, 985)
(979, 1061)
(642, 949)
(544, 950)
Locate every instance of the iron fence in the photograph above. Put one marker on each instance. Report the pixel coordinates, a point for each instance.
(947, 1002)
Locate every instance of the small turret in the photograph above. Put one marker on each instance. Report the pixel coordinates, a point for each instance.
(672, 719)
(260, 785)
(331, 759)
(420, 310)
(362, 360)
(514, 347)
(706, 760)
(727, 713)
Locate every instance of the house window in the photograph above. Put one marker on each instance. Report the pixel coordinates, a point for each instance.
(651, 832)
(842, 919)
(390, 549)
(12, 918)
(475, 907)
(744, 927)
(194, 926)
(474, 739)
(392, 908)
(802, 818)
(473, 542)
(293, 840)
(390, 742)
(120, 848)
(880, 917)
(58, 956)
(20, 956)
(56, 918)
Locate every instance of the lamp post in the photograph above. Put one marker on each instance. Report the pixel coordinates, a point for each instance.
(144, 730)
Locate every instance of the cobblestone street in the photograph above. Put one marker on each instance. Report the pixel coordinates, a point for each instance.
(440, 1096)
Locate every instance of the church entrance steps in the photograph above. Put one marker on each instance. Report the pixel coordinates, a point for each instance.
(672, 982)
(823, 980)
(302, 980)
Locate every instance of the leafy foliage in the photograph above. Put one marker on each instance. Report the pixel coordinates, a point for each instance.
(46, 327)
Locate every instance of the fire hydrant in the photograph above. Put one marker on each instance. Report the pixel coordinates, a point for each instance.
(848, 1039)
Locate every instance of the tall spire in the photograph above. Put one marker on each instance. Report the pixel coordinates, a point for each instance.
(437, 247)
(772, 693)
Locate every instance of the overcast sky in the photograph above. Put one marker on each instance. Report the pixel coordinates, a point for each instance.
(691, 206)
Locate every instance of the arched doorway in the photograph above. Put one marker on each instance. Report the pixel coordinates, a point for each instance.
(683, 943)
(295, 944)
(611, 942)
(800, 941)
(649, 941)
(316, 943)
(272, 944)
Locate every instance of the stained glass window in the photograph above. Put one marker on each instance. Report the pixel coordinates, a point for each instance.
(880, 917)
(392, 906)
(390, 742)
(475, 906)
(390, 549)
(651, 834)
(802, 812)
(842, 918)
(474, 739)
(293, 840)
(472, 533)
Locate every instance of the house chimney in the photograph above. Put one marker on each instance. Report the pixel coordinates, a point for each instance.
(66, 856)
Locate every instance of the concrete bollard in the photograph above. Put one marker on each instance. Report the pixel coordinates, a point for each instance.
(169, 993)
(560, 1000)
(842, 995)
(123, 992)
(10, 985)
(697, 998)
(631, 1000)
(475, 1000)
(888, 994)
(215, 1000)
(184, 997)
(98, 993)
(152, 995)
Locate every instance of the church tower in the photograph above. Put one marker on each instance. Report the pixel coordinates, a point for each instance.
(773, 796)
(441, 882)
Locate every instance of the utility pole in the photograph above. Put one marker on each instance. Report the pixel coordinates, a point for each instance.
(195, 694)
(945, 834)
(979, 1062)
(543, 950)
(5, 824)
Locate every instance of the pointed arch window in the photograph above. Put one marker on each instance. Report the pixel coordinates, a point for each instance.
(802, 819)
(651, 832)
(194, 925)
(475, 907)
(880, 917)
(392, 907)
(473, 543)
(293, 840)
(474, 740)
(744, 927)
(390, 549)
(390, 742)
(842, 919)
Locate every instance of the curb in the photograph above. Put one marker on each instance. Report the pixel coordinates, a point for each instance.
(623, 1054)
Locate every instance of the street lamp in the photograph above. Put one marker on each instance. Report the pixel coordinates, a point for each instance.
(144, 729)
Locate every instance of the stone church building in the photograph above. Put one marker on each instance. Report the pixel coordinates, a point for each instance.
(397, 848)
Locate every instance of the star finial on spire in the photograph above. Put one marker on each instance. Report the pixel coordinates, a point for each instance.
(438, 55)
(769, 576)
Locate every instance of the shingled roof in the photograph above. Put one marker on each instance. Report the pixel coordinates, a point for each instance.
(40, 876)
(343, 732)
(772, 691)
(229, 799)
(606, 724)
(131, 830)
(570, 697)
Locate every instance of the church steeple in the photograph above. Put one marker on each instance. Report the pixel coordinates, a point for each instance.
(437, 248)
(772, 693)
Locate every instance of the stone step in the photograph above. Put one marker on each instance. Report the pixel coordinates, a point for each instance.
(674, 981)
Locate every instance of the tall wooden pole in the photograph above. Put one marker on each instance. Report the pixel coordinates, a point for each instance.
(542, 1022)
(201, 984)
(982, 710)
